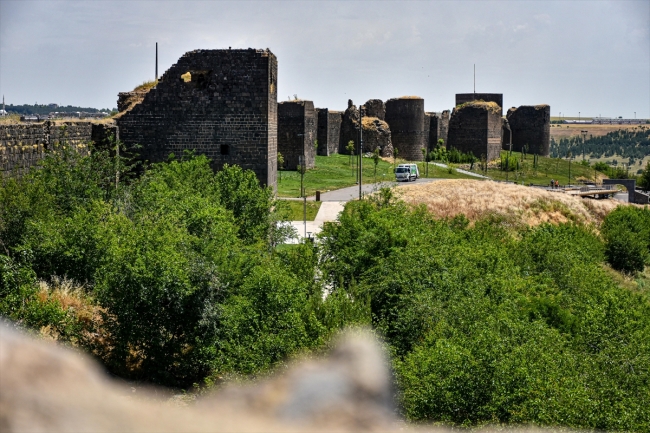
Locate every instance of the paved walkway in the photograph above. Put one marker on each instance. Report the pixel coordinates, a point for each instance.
(333, 203)
(460, 170)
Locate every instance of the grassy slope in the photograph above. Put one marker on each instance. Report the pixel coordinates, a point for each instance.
(548, 168)
(334, 172)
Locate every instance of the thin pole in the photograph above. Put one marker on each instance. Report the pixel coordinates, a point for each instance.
(360, 149)
(156, 61)
(475, 78)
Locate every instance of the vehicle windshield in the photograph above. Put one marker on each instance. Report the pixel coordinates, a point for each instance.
(401, 170)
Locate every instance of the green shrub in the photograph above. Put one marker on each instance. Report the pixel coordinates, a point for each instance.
(627, 238)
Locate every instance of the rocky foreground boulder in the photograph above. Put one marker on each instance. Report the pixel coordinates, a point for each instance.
(47, 388)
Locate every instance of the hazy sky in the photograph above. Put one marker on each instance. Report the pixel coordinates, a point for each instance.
(591, 57)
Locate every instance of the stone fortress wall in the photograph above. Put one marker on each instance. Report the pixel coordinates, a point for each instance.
(405, 117)
(329, 131)
(497, 98)
(223, 104)
(476, 127)
(530, 125)
(297, 132)
(220, 103)
(25, 145)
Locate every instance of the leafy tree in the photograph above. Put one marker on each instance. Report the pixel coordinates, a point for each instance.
(644, 179)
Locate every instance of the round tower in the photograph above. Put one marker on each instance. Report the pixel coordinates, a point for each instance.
(405, 117)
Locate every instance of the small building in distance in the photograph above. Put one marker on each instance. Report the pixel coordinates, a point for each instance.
(297, 133)
(475, 127)
(219, 103)
(530, 125)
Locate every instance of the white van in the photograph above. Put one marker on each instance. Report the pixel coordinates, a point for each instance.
(407, 172)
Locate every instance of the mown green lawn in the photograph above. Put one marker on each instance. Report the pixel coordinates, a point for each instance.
(547, 169)
(335, 171)
(296, 211)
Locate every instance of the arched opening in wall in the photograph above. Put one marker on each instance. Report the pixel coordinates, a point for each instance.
(225, 149)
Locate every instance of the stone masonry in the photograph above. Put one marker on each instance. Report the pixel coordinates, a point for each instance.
(25, 145)
(497, 98)
(375, 108)
(531, 125)
(376, 134)
(476, 127)
(297, 132)
(405, 116)
(443, 121)
(220, 103)
(329, 131)
(349, 129)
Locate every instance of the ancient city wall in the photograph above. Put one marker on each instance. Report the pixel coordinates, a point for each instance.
(531, 125)
(349, 128)
(427, 132)
(220, 103)
(462, 98)
(24, 145)
(375, 108)
(476, 127)
(405, 116)
(377, 135)
(443, 122)
(329, 131)
(297, 132)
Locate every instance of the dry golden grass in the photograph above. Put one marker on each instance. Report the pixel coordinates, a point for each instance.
(90, 316)
(490, 106)
(516, 203)
(10, 119)
(565, 131)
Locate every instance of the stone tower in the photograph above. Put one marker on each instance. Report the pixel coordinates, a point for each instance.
(531, 125)
(297, 132)
(219, 103)
(476, 127)
(405, 117)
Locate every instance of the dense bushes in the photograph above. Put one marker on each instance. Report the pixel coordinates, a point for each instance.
(485, 323)
(627, 238)
(489, 327)
(178, 259)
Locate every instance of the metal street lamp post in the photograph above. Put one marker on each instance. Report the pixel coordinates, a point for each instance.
(360, 150)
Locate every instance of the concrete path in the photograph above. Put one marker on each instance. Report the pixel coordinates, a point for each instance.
(333, 203)
(329, 211)
(460, 170)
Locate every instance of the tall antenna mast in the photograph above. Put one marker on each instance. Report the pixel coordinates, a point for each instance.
(156, 61)
(474, 78)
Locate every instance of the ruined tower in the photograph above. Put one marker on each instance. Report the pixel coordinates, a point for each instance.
(531, 125)
(329, 131)
(297, 132)
(405, 117)
(219, 103)
(497, 98)
(476, 127)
